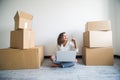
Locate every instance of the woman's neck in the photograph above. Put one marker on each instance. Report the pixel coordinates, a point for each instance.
(64, 43)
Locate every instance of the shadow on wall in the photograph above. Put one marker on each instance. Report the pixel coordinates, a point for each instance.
(113, 15)
(1, 1)
(118, 1)
(5, 38)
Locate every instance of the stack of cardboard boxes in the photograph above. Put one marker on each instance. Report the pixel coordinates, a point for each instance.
(23, 36)
(97, 41)
(22, 53)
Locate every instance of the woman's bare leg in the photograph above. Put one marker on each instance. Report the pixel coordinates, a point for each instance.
(52, 58)
(76, 60)
(55, 65)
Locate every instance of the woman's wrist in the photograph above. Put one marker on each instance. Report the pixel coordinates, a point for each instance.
(75, 44)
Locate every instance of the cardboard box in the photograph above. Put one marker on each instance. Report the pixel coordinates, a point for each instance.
(97, 39)
(22, 39)
(23, 20)
(98, 25)
(41, 53)
(21, 59)
(98, 56)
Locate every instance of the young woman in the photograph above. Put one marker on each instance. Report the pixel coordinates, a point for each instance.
(63, 44)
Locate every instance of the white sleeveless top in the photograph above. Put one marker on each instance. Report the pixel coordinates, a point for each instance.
(68, 47)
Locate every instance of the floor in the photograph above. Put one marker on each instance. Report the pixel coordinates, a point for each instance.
(77, 72)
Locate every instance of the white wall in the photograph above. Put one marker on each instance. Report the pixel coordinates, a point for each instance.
(117, 23)
(50, 17)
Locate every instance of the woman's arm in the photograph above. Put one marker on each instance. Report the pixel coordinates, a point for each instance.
(75, 44)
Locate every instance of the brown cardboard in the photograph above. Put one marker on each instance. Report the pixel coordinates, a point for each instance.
(22, 39)
(97, 39)
(21, 59)
(98, 25)
(23, 20)
(98, 56)
(41, 52)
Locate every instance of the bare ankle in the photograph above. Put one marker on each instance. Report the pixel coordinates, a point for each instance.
(76, 61)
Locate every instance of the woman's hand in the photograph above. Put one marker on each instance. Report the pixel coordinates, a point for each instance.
(74, 41)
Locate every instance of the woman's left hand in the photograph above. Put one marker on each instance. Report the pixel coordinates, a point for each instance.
(73, 40)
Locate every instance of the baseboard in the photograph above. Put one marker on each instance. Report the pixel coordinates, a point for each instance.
(46, 57)
(76, 56)
(79, 56)
(115, 56)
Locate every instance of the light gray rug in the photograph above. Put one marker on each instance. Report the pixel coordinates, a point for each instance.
(78, 72)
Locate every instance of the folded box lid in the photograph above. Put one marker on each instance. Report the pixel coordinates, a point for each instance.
(21, 14)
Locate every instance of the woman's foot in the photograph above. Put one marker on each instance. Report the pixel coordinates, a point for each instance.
(76, 60)
(55, 65)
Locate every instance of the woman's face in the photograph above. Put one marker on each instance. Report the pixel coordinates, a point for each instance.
(64, 37)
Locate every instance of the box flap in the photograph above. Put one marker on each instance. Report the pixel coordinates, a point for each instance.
(21, 14)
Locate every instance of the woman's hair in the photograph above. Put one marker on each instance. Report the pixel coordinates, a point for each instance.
(59, 39)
